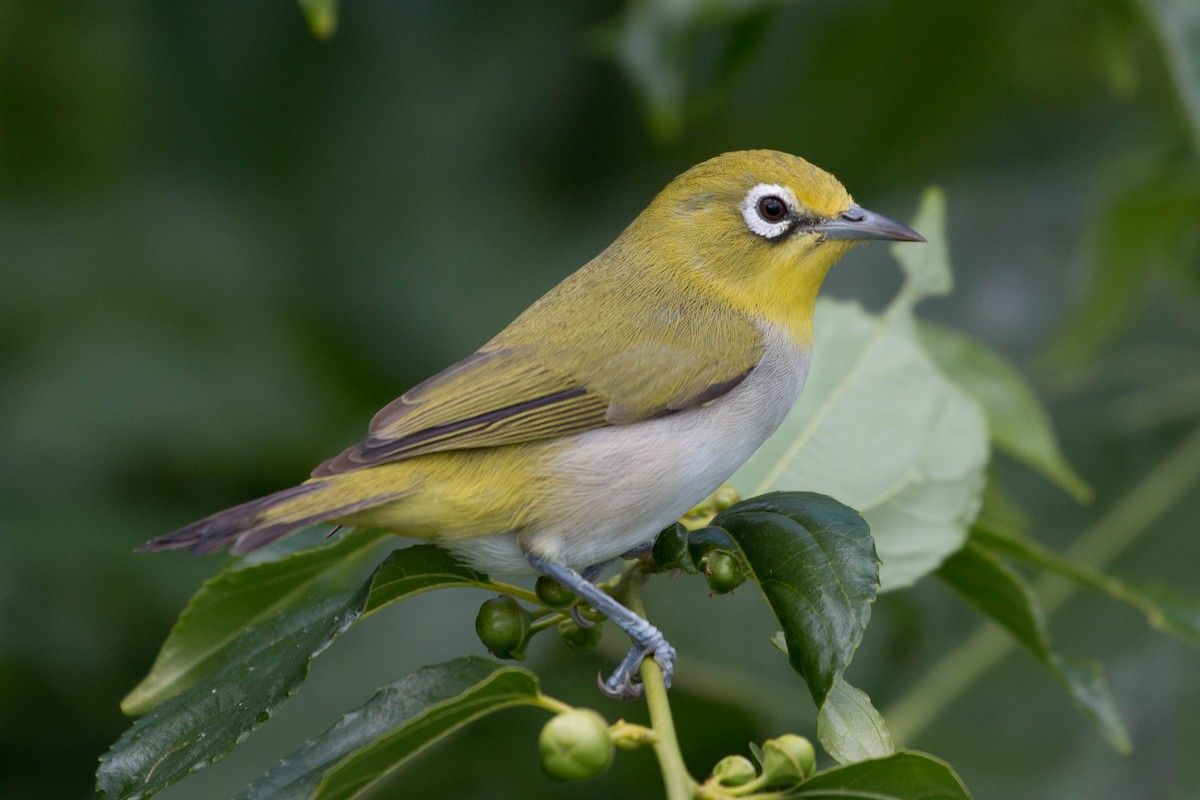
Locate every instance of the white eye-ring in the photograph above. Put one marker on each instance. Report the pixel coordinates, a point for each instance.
(769, 210)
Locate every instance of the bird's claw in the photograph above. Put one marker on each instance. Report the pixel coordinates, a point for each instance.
(624, 684)
(580, 620)
(620, 688)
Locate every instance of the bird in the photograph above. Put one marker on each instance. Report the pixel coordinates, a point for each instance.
(611, 406)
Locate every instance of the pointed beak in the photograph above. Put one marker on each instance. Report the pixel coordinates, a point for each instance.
(858, 223)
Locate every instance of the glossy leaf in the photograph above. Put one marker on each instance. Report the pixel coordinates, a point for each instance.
(850, 728)
(422, 568)
(290, 610)
(1017, 420)
(880, 428)
(402, 719)
(907, 775)
(240, 597)
(671, 549)
(201, 725)
(1002, 596)
(815, 562)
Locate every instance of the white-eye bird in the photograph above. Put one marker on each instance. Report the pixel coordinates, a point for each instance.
(612, 405)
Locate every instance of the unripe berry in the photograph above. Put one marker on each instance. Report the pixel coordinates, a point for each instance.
(575, 745)
(503, 626)
(553, 593)
(787, 760)
(723, 572)
(734, 771)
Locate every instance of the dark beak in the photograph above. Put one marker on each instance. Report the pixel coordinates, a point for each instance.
(858, 223)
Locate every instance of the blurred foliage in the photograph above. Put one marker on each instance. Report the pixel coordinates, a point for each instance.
(321, 15)
(224, 244)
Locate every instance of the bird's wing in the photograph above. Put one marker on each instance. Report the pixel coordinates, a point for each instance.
(525, 392)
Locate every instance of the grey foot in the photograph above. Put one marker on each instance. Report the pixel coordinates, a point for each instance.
(624, 683)
(647, 639)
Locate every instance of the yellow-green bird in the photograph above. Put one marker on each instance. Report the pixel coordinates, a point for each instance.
(612, 405)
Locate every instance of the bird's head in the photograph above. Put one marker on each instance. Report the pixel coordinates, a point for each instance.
(762, 228)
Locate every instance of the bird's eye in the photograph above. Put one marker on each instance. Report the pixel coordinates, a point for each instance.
(772, 209)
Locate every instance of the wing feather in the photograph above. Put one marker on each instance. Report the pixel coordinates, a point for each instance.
(527, 385)
(487, 400)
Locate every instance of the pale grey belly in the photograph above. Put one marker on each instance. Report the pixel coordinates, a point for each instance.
(611, 489)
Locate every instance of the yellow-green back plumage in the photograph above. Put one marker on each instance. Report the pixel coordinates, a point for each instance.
(669, 314)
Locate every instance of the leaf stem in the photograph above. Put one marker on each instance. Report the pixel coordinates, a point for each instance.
(678, 783)
(547, 622)
(1126, 521)
(553, 704)
(519, 592)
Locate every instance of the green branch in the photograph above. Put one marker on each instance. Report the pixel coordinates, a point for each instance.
(678, 783)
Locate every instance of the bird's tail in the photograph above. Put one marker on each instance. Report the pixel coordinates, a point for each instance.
(257, 523)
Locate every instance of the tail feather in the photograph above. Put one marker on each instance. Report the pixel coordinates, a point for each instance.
(263, 535)
(250, 525)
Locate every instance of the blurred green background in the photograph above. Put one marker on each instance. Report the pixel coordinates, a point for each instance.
(224, 244)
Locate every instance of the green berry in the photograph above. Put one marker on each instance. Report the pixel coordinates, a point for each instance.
(800, 749)
(787, 760)
(734, 771)
(503, 627)
(723, 571)
(553, 593)
(575, 745)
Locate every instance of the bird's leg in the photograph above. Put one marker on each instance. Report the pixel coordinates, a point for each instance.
(589, 574)
(647, 639)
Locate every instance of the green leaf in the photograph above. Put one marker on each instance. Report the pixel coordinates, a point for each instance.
(1167, 610)
(850, 728)
(880, 428)
(401, 720)
(816, 564)
(926, 267)
(1017, 421)
(907, 775)
(281, 613)
(671, 550)
(257, 676)
(422, 568)
(1001, 595)
(321, 16)
(238, 598)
